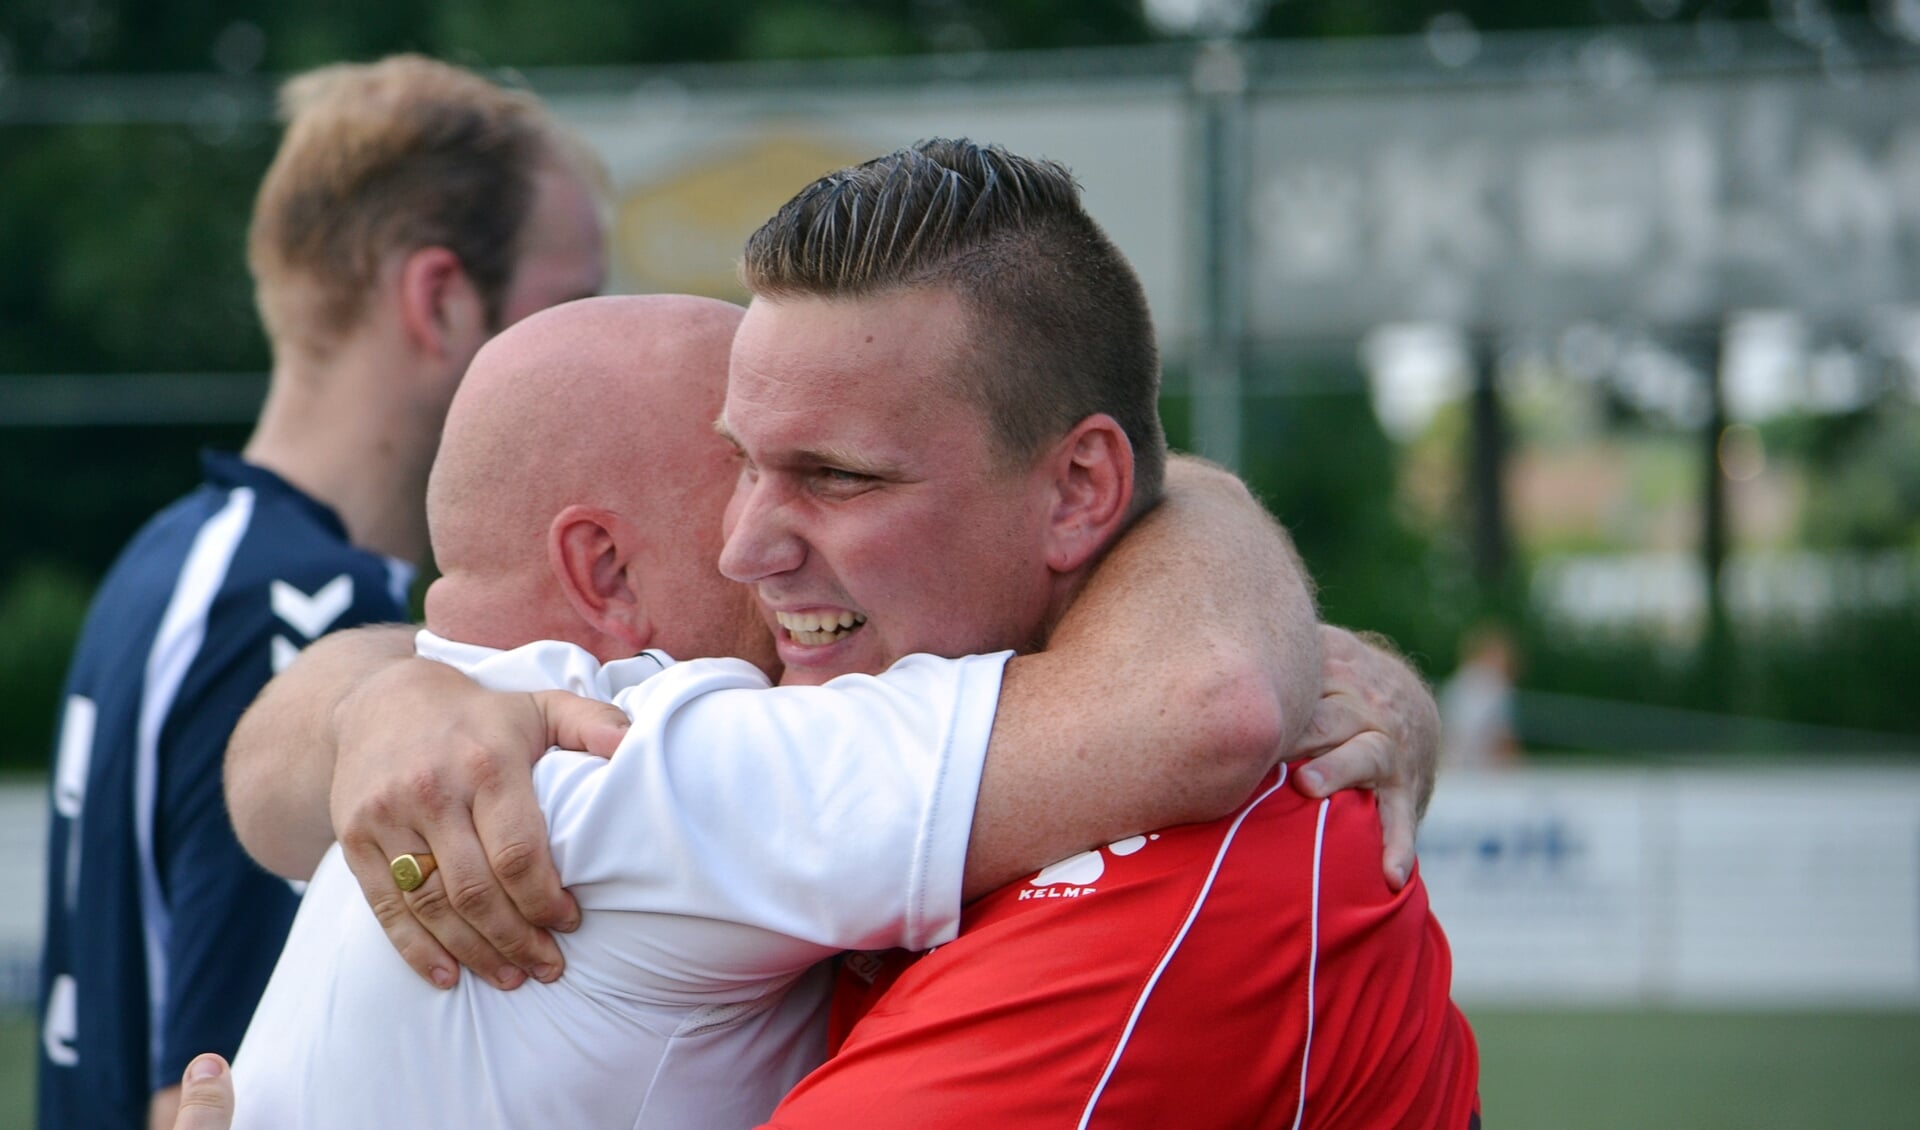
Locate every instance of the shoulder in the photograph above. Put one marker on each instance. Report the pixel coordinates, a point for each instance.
(681, 683)
(289, 564)
(920, 692)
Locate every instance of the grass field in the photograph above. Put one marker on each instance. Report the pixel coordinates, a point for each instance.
(16, 1069)
(1701, 1071)
(1570, 1071)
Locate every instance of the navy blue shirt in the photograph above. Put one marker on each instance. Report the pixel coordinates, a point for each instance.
(160, 931)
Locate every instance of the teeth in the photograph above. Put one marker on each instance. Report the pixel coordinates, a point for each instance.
(818, 621)
(815, 628)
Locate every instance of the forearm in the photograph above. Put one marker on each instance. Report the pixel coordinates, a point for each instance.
(279, 765)
(1189, 662)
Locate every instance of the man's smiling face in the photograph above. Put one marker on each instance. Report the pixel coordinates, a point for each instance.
(873, 516)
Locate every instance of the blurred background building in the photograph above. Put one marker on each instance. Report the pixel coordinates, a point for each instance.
(1597, 321)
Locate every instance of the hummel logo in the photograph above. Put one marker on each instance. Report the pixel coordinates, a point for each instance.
(285, 651)
(312, 615)
(61, 1026)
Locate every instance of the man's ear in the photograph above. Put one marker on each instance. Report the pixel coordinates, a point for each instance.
(1091, 470)
(590, 551)
(440, 309)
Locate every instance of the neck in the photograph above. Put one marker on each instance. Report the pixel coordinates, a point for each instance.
(508, 608)
(1066, 590)
(346, 431)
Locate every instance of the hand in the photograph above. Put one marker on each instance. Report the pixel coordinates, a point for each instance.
(206, 1095)
(1375, 727)
(430, 762)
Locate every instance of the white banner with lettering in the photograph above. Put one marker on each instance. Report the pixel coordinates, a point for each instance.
(1489, 198)
(1756, 886)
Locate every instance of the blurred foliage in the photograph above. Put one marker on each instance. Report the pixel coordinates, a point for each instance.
(111, 479)
(1869, 494)
(40, 613)
(1326, 470)
(1325, 467)
(55, 546)
(1847, 672)
(126, 246)
(237, 36)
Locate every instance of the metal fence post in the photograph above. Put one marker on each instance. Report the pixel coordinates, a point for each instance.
(1220, 93)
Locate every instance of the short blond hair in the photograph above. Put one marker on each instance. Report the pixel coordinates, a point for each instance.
(392, 156)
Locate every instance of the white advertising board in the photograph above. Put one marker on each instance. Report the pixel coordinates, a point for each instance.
(1492, 197)
(1540, 883)
(1691, 888)
(1766, 887)
(1536, 205)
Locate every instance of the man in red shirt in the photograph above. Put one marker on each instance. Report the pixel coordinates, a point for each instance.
(944, 396)
(1254, 971)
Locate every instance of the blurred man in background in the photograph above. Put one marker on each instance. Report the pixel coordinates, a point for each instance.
(413, 210)
(1477, 703)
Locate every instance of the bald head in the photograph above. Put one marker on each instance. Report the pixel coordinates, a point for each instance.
(579, 485)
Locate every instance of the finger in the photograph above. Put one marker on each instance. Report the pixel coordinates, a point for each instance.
(206, 1095)
(1363, 762)
(513, 832)
(582, 723)
(417, 946)
(435, 910)
(1337, 642)
(1336, 720)
(1397, 824)
(464, 905)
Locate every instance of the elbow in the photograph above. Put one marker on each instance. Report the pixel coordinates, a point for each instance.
(250, 832)
(263, 837)
(1240, 731)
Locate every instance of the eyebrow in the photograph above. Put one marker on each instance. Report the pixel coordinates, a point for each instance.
(845, 461)
(816, 457)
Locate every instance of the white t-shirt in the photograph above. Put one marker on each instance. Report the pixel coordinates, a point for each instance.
(740, 835)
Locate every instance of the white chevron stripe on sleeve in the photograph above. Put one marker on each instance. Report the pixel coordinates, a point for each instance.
(312, 615)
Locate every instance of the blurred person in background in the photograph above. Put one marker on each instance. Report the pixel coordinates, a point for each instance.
(412, 211)
(906, 487)
(1476, 703)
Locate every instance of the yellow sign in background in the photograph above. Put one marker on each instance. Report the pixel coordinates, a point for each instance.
(684, 231)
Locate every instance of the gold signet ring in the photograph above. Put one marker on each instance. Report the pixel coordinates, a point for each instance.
(411, 870)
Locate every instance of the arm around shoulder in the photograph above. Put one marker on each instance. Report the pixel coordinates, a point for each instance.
(1186, 667)
(1208, 617)
(279, 764)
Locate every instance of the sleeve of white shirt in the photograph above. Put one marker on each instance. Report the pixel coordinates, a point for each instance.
(837, 816)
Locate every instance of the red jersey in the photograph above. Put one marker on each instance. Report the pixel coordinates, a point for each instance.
(1251, 972)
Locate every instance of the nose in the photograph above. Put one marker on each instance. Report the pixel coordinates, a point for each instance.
(761, 539)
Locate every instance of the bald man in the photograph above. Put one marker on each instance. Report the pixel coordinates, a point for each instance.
(739, 834)
(585, 442)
